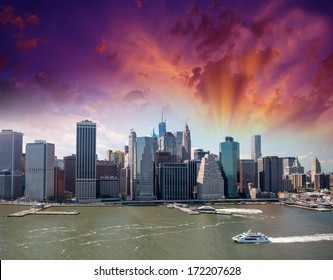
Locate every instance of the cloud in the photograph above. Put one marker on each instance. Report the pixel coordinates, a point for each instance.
(27, 44)
(135, 95)
(8, 18)
(101, 48)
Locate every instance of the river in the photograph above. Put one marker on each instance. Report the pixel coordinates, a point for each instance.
(158, 233)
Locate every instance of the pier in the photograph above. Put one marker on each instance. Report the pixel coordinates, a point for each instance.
(314, 208)
(38, 210)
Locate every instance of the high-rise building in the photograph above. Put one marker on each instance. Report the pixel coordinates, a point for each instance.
(210, 182)
(179, 146)
(270, 174)
(168, 143)
(229, 158)
(85, 188)
(193, 170)
(173, 181)
(146, 148)
(162, 127)
(247, 172)
(316, 169)
(59, 182)
(69, 170)
(39, 174)
(11, 164)
(116, 157)
(199, 154)
(287, 163)
(255, 147)
(132, 163)
(296, 168)
(186, 143)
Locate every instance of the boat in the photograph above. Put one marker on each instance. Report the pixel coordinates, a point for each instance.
(251, 237)
(206, 209)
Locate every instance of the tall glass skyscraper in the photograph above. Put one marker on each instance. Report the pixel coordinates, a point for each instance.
(10, 164)
(186, 143)
(39, 172)
(132, 163)
(229, 158)
(255, 147)
(146, 148)
(161, 127)
(85, 187)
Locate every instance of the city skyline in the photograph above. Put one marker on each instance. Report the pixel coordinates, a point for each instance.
(225, 68)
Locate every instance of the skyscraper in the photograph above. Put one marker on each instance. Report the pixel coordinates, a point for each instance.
(210, 182)
(168, 143)
(316, 169)
(85, 188)
(173, 181)
(229, 158)
(186, 143)
(270, 172)
(161, 127)
(179, 146)
(146, 148)
(10, 164)
(39, 174)
(255, 147)
(132, 162)
(69, 170)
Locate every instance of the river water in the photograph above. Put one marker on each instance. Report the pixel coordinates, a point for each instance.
(157, 233)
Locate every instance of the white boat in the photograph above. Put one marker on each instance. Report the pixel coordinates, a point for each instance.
(251, 237)
(206, 209)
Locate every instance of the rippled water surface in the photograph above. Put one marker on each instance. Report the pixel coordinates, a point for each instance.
(161, 233)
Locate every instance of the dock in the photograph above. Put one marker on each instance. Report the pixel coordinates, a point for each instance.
(39, 211)
(319, 209)
(184, 208)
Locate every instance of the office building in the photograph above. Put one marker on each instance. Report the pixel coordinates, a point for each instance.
(69, 173)
(146, 148)
(316, 169)
(168, 143)
(173, 181)
(270, 174)
(59, 182)
(198, 154)
(229, 158)
(247, 172)
(116, 157)
(287, 163)
(11, 164)
(85, 188)
(132, 163)
(109, 187)
(39, 174)
(186, 143)
(179, 146)
(162, 127)
(210, 184)
(255, 147)
(296, 168)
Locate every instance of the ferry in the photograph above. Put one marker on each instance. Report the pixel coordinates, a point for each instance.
(251, 237)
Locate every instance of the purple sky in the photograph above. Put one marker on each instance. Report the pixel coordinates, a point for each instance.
(227, 68)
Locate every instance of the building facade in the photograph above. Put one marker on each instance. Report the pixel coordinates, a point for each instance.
(186, 143)
(69, 170)
(11, 143)
(229, 158)
(39, 174)
(146, 148)
(255, 147)
(85, 188)
(270, 174)
(173, 181)
(210, 183)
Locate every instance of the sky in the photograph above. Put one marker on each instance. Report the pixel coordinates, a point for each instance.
(225, 68)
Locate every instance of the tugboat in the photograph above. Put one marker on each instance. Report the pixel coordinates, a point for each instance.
(251, 237)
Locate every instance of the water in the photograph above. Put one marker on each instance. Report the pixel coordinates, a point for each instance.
(157, 233)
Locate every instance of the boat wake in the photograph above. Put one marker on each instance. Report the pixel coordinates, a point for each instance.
(304, 238)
